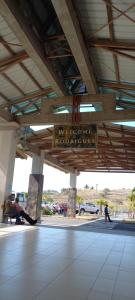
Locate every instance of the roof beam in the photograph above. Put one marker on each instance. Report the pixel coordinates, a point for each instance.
(70, 25)
(106, 43)
(105, 99)
(26, 36)
(116, 52)
(86, 118)
(115, 85)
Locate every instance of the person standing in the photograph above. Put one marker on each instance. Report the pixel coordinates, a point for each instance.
(106, 211)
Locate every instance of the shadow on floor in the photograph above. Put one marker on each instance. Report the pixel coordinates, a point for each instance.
(100, 226)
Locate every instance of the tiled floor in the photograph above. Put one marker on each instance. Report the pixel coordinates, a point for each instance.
(59, 264)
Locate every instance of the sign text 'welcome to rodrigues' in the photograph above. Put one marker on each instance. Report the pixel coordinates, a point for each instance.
(75, 136)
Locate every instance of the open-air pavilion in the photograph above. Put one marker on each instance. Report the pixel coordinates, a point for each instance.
(69, 64)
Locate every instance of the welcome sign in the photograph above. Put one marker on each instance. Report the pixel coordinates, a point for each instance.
(75, 136)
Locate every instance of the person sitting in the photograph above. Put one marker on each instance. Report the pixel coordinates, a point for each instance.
(21, 213)
(8, 209)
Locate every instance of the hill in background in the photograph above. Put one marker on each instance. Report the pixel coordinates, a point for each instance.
(117, 198)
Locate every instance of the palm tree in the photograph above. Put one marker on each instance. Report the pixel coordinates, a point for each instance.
(79, 201)
(101, 202)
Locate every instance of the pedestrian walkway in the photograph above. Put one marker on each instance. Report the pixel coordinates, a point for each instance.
(63, 221)
(43, 263)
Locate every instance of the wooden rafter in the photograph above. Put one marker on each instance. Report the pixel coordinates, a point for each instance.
(116, 52)
(118, 86)
(115, 44)
(15, 59)
(86, 118)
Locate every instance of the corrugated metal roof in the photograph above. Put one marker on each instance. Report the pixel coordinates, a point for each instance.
(127, 68)
(103, 64)
(20, 79)
(8, 89)
(30, 65)
(92, 15)
(8, 35)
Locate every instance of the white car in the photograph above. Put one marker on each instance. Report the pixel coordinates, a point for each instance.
(89, 208)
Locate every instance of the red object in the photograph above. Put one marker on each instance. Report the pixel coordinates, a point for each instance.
(76, 116)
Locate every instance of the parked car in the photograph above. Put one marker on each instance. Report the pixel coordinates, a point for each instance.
(89, 208)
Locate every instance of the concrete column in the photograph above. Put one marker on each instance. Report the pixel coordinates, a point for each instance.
(35, 189)
(72, 195)
(8, 142)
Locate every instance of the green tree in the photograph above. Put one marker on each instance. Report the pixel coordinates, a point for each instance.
(133, 190)
(86, 186)
(26, 194)
(101, 202)
(47, 198)
(79, 201)
(131, 202)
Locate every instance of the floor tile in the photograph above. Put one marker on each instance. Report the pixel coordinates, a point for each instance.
(98, 296)
(125, 289)
(126, 276)
(122, 298)
(104, 285)
(109, 272)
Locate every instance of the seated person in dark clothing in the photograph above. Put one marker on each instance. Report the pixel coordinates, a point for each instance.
(20, 212)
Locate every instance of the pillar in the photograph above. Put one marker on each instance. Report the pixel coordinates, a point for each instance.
(35, 189)
(8, 142)
(72, 195)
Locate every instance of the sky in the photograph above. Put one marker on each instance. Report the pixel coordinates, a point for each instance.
(56, 180)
